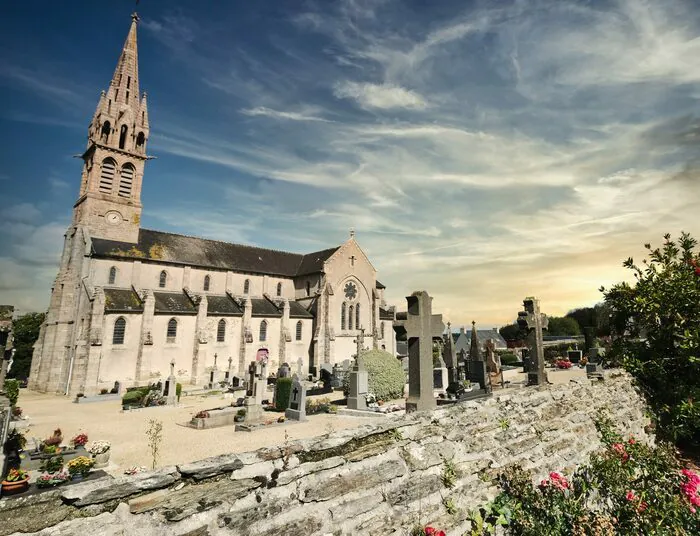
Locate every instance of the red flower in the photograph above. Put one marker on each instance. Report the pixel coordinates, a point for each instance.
(642, 506)
(619, 448)
(429, 531)
(630, 496)
(632, 441)
(697, 271)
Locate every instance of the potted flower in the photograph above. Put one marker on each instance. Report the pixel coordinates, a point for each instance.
(52, 464)
(79, 467)
(240, 415)
(16, 481)
(80, 440)
(100, 451)
(50, 480)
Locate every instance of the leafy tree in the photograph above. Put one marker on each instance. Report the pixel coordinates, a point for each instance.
(596, 316)
(658, 323)
(563, 325)
(512, 332)
(25, 330)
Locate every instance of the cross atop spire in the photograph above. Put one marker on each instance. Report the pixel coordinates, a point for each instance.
(124, 88)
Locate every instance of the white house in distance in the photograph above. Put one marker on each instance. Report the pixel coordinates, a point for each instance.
(127, 301)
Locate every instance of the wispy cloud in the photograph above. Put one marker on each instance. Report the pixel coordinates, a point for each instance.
(380, 95)
(278, 114)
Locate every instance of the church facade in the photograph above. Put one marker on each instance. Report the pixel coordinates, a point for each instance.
(127, 301)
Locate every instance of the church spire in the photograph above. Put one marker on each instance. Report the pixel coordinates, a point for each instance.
(124, 88)
(474, 348)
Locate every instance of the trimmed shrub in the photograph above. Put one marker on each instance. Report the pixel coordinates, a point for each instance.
(386, 376)
(12, 391)
(134, 397)
(282, 389)
(509, 358)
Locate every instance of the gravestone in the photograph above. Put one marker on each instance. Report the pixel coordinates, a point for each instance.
(493, 360)
(300, 368)
(284, 371)
(575, 356)
(229, 371)
(214, 375)
(477, 372)
(474, 347)
(297, 402)
(170, 391)
(116, 388)
(441, 378)
(257, 385)
(534, 321)
(419, 330)
(359, 378)
(449, 357)
(589, 337)
(525, 356)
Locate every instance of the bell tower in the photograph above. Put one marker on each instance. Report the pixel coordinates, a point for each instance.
(109, 203)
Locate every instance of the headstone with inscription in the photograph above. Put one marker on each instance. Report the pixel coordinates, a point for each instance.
(170, 389)
(297, 402)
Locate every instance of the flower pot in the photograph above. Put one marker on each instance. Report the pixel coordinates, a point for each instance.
(101, 460)
(77, 477)
(19, 486)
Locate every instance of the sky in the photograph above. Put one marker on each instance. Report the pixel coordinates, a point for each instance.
(483, 151)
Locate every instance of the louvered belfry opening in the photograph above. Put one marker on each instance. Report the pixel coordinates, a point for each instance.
(109, 168)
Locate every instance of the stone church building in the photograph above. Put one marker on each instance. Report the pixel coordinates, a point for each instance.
(127, 301)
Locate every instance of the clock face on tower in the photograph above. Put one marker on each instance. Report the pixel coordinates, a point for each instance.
(113, 217)
(350, 291)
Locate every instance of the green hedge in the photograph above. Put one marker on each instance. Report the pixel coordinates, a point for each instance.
(134, 396)
(387, 378)
(282, 389)
(509, 358)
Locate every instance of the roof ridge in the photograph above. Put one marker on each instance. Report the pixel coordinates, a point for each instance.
(235, 243)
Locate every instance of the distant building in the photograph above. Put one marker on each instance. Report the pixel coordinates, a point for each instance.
(463, 339)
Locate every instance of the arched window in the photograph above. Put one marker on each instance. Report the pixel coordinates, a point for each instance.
(119, 331)
(351, 313)
(299, 328)
(112, 275)
(279, 289)
(357, 316)
(308, 288)
(104, 131)
(163, 279)
(246, 286)
(221, 331)
(171, 334)
(122, 136)
(263, 331)
(207, 280)
(343, 315)
(126, 180)
(140, 141)
(109, 168)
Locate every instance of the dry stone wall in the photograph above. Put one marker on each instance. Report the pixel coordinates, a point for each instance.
(376, 479)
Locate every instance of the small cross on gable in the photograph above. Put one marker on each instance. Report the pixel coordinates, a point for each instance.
(352, 260)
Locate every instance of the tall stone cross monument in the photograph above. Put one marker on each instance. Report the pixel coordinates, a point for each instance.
(419, 330)
(534, 321)
(359, 378)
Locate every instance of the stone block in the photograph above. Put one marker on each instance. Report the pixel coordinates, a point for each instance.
(209, 467)
(192, 500)
(305, 469)
(359, 477)
(413, 489)
(103, 490)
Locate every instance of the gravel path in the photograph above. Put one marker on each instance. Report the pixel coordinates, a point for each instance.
(127, 430)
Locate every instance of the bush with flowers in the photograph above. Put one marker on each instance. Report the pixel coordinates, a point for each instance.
(81, 464)
(427, 531)
(50, 480)
(80, 440)
(657, 327)
(628, 487)
(16, 475)
(563, 364)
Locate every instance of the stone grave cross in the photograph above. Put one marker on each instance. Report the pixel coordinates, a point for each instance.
(534, 321)
(449, 356)
(359, 378)
(419, 331)
(171, 386)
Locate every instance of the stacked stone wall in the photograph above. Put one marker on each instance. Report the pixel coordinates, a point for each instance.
(376, 479)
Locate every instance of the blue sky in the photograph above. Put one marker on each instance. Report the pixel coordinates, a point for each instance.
(483, 151)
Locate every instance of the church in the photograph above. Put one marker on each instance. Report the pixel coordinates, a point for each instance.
(128, 301)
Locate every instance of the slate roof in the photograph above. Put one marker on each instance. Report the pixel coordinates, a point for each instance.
(264, 307)
(192, 251)
(297, 310)
(222, 306)
(379, 285)
(174, 303)
(386, 314)
(122, 301)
